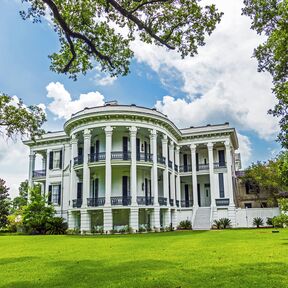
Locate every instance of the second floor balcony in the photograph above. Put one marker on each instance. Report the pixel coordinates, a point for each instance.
(120, 155)
(39, 173)
(142, 200)
(96, 157)
(186, 203)
(78, 160)
(95, 202)
(120, 200)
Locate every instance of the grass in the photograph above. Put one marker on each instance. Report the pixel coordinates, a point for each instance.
(230, 258)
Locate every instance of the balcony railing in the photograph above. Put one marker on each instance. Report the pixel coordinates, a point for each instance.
(186, 203)
(203, 167)
(77, 203)
(78, 160)
(177, 203)
(119, 200)
(222, 202)
(142, 200)
(176, 167)
(219, 165)
(95, 202)
(171, 201)
(95, 157)
(39, 173)
(120, 155)
(144, 157)
(162, 201)
(161, 159)
(170, 164)
(185, 168)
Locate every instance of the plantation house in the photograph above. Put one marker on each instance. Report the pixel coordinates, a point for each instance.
(119, 165)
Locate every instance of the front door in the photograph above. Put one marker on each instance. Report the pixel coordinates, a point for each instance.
(207, 196)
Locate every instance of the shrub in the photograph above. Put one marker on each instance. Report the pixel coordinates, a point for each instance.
(217, 223)
(269, 221)
(225, 223)
(185, 225)
(75, 231)
(258, 221)
(56, 226)
(141, 229)
(97, 230)
(280, 221)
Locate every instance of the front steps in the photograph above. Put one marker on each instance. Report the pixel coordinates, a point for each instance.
(202, 219)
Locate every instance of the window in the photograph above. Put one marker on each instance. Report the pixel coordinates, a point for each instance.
(221, 185)
(55, 159)
(248, 205)
(54, 196)
(263, 204)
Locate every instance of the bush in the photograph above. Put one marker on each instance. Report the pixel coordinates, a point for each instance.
(280, 221)
(225, 223)
(56, 226)
(258, 221)
(185, 225)
(141, 229)
(97, 230)
(15, 223)
(217, 223)
(75, 231)
(269, 221)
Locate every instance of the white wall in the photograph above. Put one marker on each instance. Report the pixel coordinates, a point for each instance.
(244, 217)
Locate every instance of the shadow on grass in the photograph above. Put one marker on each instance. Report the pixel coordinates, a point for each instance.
(160, 273)
(12, 260)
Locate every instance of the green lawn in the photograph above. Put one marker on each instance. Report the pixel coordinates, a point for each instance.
(231, 258)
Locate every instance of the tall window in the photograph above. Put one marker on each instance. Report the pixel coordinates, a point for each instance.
(54, 196)
(221, 185)
(55, 159)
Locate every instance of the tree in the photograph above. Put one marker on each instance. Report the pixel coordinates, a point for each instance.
(270, 18)
(4, 203)
(21, 200)
(101, 30)
(16, 118)
(37, 213)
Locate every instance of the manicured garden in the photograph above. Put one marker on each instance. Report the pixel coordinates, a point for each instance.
(218, 258)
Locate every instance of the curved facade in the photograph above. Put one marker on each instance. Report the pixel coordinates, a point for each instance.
(117, 166)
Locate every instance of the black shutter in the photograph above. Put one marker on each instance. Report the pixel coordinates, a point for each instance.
(150, 189)
(125, 186)
(198, 193)
(79, 190)
(138, 148)
(92, 149)
(125, 148)
(96, 183)
(51, 160)
(197, 162)
(61, 160)
(185, 162)
(59, 194)
(49, 194)
(80, 151)
(221, 156)
(186, 187)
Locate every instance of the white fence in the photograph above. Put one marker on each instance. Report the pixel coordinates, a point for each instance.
(244, 217)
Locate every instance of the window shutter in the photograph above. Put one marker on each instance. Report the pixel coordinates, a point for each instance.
(49, 194)
(221, 185)
(51, 160)
(61, 160)
(59, 194)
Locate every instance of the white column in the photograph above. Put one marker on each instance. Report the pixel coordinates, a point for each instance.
(194, 175)
(154, 170)
(71, 220)
(73, 176)
(107, 220)
(172, 178)
(47, 171)
(85, 225)
(229, 173)
(108, 170)
(156, 218)
(86, 169)
(211, 173)
(134, 219)
(178, 185)
(165, 174)
(31, 167)
(133, 168)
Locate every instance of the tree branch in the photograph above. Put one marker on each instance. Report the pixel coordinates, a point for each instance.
(139, 23)
(72, 34)
(147, 3)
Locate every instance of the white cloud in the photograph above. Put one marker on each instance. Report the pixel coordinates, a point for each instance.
(63, 106)
(105, 80)
(221, 82)
(245, 149)
(13, 163)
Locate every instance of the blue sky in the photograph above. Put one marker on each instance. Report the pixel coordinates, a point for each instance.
(220, 84)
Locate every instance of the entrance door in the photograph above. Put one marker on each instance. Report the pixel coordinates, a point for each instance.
(125, 148)
(186, 189)
(207, 196)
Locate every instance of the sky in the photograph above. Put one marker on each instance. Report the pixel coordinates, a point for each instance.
(220, 84)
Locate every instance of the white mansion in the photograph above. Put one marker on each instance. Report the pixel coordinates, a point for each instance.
(120, 165)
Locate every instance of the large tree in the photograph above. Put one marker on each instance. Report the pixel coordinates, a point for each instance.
(4, 203)
(270, 18)
(18, 119)
(89, 30)
(21, 200)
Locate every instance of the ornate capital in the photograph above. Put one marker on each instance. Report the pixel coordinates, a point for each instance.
(133, 130)
(210, 145)
(193, 147)
(153, 133)
(108, 130)
(74, 139)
